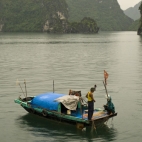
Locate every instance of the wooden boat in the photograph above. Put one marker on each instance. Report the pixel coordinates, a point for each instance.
(63, 108)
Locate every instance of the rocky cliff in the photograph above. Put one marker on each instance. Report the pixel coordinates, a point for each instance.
(107, 13)
(33, 15)
(139, 32)
(62, 16)
(41, 15)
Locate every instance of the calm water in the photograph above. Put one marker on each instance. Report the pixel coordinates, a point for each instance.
(73, 61)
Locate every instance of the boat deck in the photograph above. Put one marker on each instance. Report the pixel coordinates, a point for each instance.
(96, 115)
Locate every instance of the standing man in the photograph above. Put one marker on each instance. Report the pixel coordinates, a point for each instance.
(91, 101)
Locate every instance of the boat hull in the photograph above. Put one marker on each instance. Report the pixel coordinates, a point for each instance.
(61, 117)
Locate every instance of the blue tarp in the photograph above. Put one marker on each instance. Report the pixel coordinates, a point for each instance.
(46, 101)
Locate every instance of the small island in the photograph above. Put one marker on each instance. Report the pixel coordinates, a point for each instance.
(86, 25)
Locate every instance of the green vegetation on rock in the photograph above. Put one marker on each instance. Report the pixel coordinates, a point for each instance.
(134, 26)
(31, 15)
(40, 15)
(86, 25)
(62, 16)
(106, 13)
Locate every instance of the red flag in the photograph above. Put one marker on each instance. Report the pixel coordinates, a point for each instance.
(105, 76)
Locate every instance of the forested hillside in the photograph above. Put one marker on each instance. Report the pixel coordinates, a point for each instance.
(63, 16)
(32, 15)
(135, 26)
(107, 13)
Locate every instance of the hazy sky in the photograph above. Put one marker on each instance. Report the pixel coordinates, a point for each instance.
(124, 4)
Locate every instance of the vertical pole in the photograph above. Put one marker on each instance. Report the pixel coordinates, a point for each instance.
(53, 86)
(25, 88)
(18, 83)
(22, 90)
(81, 111)
(105, 88)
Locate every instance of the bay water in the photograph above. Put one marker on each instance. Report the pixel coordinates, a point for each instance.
(77, 62)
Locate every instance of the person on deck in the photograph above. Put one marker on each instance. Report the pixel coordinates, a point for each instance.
(109, 106)
(91, 101)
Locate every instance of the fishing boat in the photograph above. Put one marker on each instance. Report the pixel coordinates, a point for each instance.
(69, 108)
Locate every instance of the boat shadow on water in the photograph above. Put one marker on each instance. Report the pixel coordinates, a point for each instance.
(42, 127)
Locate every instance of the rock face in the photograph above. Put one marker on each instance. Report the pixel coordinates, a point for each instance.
(139, 32)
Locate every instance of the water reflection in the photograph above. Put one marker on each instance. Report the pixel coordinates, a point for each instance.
(57, 131)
